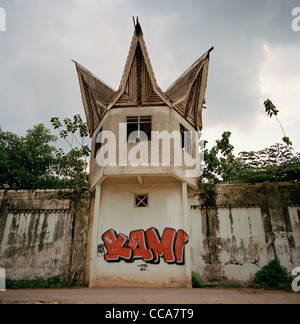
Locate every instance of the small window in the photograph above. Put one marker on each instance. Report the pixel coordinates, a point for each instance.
(139, 128)
(98, 144)
(141, 201)
(132, 127)
(186, 140)
(145, 128)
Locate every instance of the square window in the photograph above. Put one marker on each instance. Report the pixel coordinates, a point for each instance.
(141, 201)
(139, 129)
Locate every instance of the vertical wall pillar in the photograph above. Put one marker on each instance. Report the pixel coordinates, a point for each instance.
(282, 232)
(95, 234)
(186, 224)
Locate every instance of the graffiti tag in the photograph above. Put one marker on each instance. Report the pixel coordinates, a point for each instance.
(143, 267)
(101, 249)
(148, 246)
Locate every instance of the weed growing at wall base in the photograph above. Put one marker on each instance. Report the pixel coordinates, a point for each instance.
(40, 283)
(273, 276)
(49, 283)
(197, 282)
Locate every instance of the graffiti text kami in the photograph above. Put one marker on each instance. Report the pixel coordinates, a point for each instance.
(147, 246)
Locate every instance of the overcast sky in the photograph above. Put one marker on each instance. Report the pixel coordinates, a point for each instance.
(256, 57)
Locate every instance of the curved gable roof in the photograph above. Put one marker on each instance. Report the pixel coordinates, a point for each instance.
(139, 87)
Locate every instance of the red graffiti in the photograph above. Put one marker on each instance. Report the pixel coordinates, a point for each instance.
(181, 240)
(148, 246)
(115, 246)
(162, 247)
(137, 242)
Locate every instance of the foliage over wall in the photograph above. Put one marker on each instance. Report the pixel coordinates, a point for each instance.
(275, 164)
(32, 161)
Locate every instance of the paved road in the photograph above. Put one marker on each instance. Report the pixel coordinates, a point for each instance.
(148, 296)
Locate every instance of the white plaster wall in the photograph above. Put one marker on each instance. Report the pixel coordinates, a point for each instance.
(118, 212)
(244, 248)
(294, 213)
(241, 248)
(198, 236)
(35, 245)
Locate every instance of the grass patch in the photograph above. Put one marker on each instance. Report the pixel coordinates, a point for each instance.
(39, 283)
(197, 282)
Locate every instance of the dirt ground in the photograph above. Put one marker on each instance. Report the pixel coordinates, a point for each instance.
(139, 296)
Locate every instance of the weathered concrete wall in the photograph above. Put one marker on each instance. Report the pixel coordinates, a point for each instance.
(119, 215)
(243, 227)
(43, 234)
(231, 236)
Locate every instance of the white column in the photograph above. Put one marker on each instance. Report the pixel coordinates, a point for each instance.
(95, 233)
(186, 224)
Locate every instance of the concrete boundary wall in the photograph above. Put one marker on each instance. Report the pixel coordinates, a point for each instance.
(243, 227)
(43, 234)
(232, 235)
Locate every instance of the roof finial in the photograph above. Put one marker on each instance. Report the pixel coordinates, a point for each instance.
(137, 25)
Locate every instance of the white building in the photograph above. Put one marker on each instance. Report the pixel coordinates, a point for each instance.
(139, 233)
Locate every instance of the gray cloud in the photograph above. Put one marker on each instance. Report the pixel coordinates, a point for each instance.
(38, 80)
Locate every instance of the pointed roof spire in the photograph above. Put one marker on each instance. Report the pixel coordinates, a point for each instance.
(137, 26)
(138, 85)
(95, 96)
(188, 91)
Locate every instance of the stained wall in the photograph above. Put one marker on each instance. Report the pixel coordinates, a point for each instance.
(231, 236)
(243, 227)
(43, 234)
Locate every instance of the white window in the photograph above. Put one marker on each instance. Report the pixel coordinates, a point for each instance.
(186, 140)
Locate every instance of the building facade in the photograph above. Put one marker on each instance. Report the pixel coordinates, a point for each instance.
(143, 223)
(144, 165)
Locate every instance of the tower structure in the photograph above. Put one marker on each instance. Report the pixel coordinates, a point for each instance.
(144, 163)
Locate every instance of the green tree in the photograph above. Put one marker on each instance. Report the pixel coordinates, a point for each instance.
(220, 165)
(73, 132)
(275, 164)
(73, 166)
(33, 162)
(27, 162)
(220, 162)
(271, 111)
